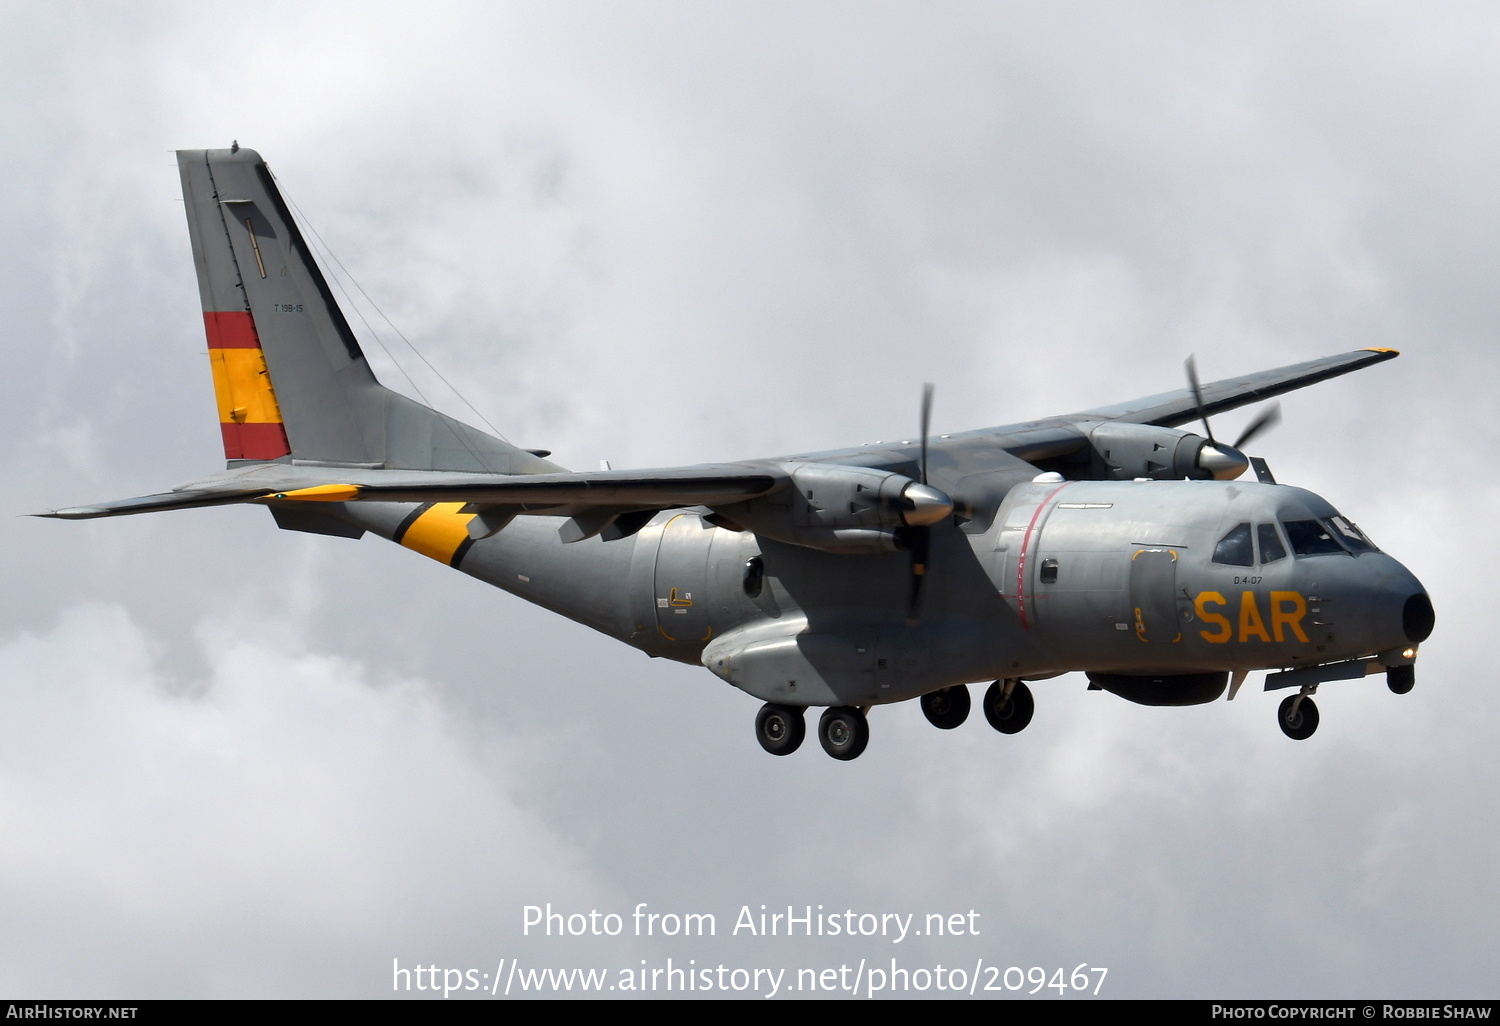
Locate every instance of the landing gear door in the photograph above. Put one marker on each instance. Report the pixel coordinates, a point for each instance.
(1153, 595)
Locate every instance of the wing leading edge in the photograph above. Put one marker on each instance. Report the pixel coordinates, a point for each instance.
(557, 494)
(1170, 409)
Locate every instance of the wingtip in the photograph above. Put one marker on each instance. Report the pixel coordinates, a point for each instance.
(1384, 352)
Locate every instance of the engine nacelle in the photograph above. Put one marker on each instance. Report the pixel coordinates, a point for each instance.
(844, 509)
(1124, 452)
(1162, 689)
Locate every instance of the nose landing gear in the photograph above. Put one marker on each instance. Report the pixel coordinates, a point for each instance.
(1298, 717)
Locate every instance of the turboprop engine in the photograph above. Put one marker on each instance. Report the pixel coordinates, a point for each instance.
(841, 509)
(1129, 451)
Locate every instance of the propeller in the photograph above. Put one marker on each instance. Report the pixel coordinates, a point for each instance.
(1225, 462)
(919, 536)
(1269, 418)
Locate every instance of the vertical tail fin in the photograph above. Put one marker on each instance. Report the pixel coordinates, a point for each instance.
(289, 376)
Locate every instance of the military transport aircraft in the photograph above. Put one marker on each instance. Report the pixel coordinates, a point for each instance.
(1109, 541)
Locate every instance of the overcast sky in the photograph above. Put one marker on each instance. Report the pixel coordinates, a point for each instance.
(236, 761)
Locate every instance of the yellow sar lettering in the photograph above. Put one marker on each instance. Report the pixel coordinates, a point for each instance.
(1287, 609)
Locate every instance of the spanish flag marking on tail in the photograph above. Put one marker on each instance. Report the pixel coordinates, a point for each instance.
(248, 413)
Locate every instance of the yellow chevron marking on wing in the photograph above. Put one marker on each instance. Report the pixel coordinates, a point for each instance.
(439, 532)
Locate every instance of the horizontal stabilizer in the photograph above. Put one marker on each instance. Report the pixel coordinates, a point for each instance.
(151, 504)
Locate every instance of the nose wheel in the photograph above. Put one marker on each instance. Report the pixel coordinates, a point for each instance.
(1008, 706)
(946, 708)
(1298, 717)
(780, 728)
(843, 732)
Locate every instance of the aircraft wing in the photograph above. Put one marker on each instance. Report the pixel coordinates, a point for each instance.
(1050, 437)
(570, 494)
(1169, 409)
(1058, 436)
(562, 494)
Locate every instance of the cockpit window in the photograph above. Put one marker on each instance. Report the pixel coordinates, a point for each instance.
(1234, 549)
(1271, 548)
(1350, 535)
(1310, 538)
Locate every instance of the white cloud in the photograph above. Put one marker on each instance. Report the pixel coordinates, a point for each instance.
(287, 827)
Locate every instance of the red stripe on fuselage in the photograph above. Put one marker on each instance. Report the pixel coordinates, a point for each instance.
(1021, 562)
(254, 441)
(230, 329)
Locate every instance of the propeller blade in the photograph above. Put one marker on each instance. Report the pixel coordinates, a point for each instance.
(1270, 418)
(926, 422)
(1191, 366)
(918, 538)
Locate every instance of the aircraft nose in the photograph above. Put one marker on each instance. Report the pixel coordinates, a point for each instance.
(1418, 618)
(1401, 609)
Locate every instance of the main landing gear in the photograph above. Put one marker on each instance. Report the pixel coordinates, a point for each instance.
(946, 708)
(842, 731)
(1008, 706)
(780, 728)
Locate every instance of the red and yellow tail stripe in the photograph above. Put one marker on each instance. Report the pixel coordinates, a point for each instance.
(248, 413)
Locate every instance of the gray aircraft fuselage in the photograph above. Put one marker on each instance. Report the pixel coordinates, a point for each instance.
(1105, 576)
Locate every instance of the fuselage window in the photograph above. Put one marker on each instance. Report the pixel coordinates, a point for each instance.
(1310, 538)
(1235, 549)
(1351, 535)
(1271, 548)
